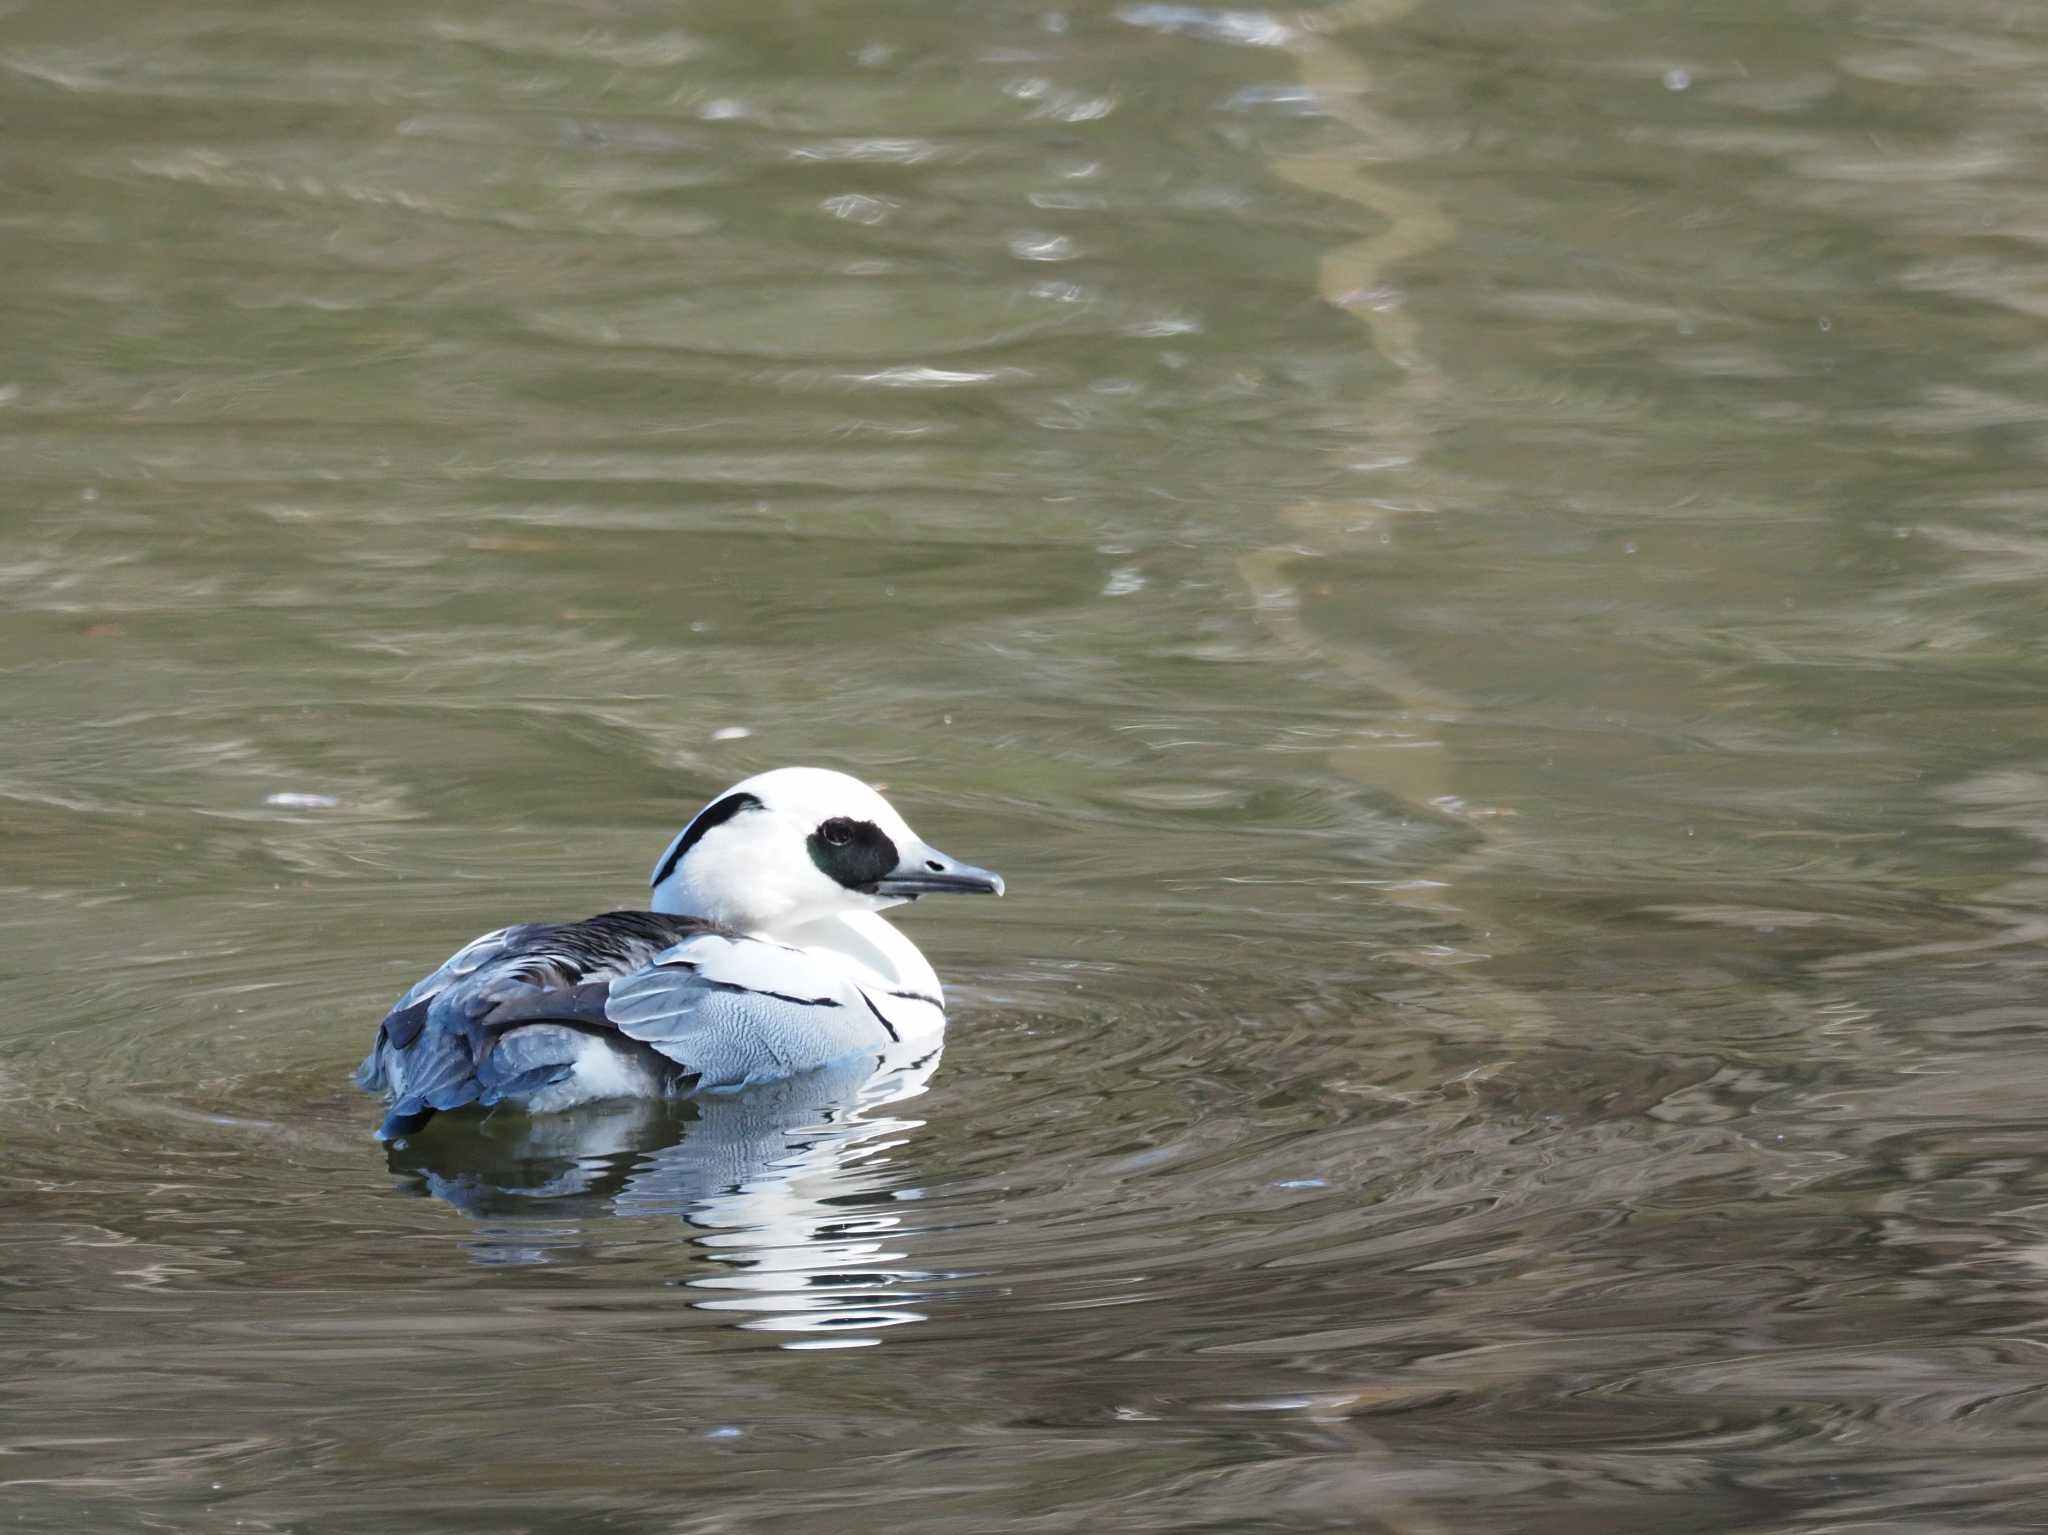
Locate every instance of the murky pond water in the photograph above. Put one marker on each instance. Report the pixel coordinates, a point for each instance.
(1477, 566)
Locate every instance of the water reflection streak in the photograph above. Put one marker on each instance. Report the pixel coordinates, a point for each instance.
(790, 1187)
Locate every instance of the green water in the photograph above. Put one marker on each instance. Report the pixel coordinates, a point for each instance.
(1476, 566)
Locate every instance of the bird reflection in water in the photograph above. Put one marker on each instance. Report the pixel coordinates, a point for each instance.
(790, 1187)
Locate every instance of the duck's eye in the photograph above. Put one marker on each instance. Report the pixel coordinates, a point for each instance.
(837, 832)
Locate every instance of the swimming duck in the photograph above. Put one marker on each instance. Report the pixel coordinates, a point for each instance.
(763, 954)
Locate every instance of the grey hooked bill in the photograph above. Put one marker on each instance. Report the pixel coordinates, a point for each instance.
(915, 876)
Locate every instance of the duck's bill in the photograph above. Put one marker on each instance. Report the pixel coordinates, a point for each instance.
(927, 871)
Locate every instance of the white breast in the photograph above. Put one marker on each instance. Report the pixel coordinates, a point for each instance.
(888, 968)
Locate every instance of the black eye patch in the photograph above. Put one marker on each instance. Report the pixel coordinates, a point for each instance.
(709, 817)
(855, 853)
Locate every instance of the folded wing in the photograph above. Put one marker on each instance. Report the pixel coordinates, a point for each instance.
(625, 1001)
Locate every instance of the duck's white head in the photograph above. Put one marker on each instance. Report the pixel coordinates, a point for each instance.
(789, 847)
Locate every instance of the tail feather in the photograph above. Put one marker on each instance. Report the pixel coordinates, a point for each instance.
(408, 1115)
(431, 1069)
(446, 1069)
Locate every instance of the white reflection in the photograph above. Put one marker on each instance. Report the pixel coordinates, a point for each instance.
(793, 1188)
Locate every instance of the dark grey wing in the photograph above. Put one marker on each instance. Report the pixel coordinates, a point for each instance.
(733, 1011)
(408, 1016)
(505, 1015)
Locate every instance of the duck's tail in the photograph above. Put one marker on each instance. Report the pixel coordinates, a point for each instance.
(426, 1066)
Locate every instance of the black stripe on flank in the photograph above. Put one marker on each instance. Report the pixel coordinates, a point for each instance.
(780, 996)
(885, 1023)
(918, 996)
(708, 819)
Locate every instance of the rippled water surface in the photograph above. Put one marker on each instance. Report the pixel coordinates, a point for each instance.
(1478, 566)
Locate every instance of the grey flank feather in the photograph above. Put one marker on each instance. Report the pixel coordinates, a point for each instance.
(739, 1010)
